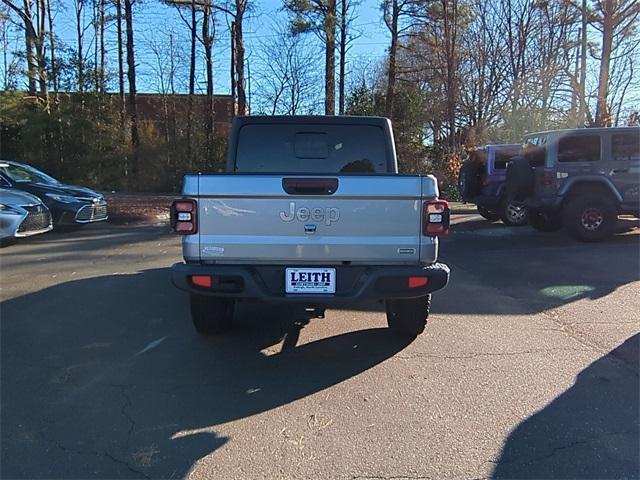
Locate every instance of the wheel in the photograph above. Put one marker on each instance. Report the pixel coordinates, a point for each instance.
(513, 213)
(544, 221)
(488, 214)
(408, 316)
(589, 218)
(470, 179)
(211, 315)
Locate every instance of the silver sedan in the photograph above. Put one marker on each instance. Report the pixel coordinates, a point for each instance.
(22, 214)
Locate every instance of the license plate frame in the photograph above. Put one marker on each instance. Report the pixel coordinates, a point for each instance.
(312, 282)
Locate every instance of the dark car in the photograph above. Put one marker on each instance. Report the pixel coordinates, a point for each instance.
(482, 181)
(69, 205)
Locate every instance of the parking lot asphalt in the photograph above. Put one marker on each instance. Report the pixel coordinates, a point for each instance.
(528, 368)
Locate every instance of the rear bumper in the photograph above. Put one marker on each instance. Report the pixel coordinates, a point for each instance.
(352, 282)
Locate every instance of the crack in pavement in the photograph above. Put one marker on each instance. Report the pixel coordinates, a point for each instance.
(123, 411)
(568, 329)
(104, 454)
(393, 477)
(556, 450)
(485, 354)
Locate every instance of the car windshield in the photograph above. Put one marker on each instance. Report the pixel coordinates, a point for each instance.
(26, 174)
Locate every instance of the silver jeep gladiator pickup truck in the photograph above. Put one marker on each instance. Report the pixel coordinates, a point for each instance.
(311, 210)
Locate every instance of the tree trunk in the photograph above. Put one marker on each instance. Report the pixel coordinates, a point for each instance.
(54, 66)
(450, 12)
(330, 59)
(79, 5)
(391, 75)
(239, 41)
(582, 92)
(343, 55)
(96, 46)
(29, 44)
(172, 126)
(192, 84)
(131, 74)
(603, 119)
(207, 39)
(103, 48)
(120, 64)
(233, 68)
(40, 49)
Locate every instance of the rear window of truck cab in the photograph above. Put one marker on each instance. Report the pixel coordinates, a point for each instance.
(322, 149)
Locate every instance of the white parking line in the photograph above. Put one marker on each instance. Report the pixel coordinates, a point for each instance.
(152, 345)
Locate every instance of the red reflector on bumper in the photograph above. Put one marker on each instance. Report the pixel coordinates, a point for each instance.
(202, 280)
(184, 227)
(416, 282)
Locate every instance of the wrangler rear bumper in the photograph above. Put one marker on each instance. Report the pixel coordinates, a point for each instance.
(352, 282)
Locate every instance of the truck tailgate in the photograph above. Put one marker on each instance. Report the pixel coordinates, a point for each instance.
(367, 219)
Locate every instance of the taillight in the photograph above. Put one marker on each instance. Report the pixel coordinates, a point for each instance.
(204, 281)
(548, 178)
(184, 216)
(435, 218)
(417, 282)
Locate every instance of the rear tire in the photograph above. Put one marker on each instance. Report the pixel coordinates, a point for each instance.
(590, 219)
(513, 213)
(544, 221)
(408, 317)
(211, 315)
(487, 214)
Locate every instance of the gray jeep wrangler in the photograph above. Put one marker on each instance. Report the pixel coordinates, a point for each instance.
(579, 179)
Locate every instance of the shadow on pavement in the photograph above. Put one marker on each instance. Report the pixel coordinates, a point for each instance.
(532, 271)
(105, 378)
(590, 431)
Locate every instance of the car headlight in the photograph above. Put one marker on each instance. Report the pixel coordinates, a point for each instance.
(8, 209)
(61, 198)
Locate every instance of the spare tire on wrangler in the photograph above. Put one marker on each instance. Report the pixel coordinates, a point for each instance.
(520, 180)
(470, 178)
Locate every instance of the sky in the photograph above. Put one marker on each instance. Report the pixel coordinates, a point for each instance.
(154, 21)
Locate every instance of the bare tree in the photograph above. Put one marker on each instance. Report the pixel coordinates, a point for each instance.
(131, 75)
(236, 10)
(81, 28)
(29, 36)
(193, 7)
(10, 64)
(393, 11)
(100, 52)
(286, 75)
(121, 102)
(615, 20)
(52, 54)
(35, 37)
(167, 58)
(482, 73)
(320, 17)
(207, 38)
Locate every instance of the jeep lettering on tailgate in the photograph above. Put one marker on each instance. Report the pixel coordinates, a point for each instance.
(327, 215)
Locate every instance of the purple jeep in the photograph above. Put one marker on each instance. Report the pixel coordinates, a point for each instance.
(482, 181)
